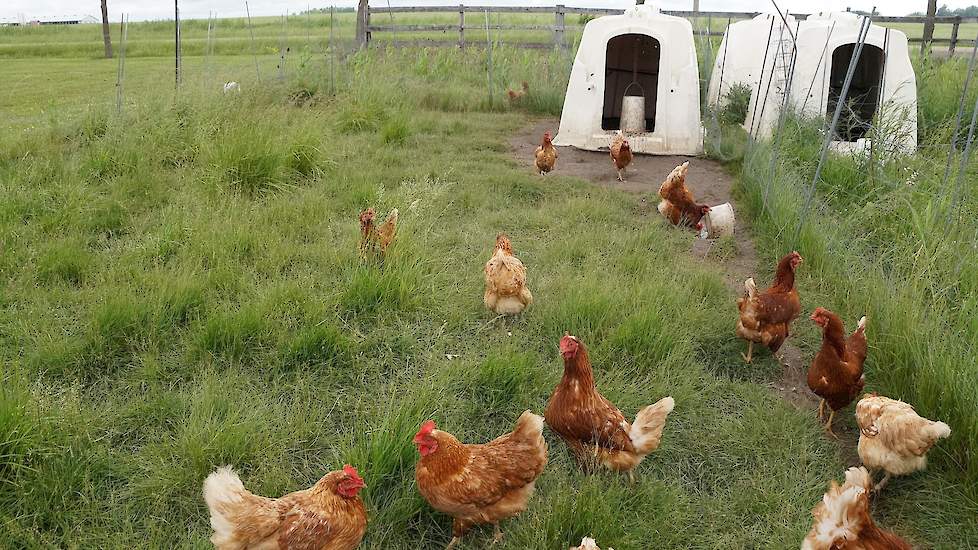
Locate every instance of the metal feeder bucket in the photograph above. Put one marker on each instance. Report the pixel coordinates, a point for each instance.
(633, 111)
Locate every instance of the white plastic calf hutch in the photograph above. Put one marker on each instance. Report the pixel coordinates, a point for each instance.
(639, 53)
(748, 52)
(883, 85)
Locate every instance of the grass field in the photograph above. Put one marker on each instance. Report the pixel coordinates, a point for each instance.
(181, 290)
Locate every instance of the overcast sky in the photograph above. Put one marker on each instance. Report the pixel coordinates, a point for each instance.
(160, 9)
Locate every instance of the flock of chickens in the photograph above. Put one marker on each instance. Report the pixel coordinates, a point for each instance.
(485, 483)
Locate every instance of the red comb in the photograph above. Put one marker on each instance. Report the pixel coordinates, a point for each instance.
(427, 427)
(568, 343)
(350, 471)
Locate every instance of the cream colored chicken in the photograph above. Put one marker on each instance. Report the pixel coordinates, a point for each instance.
(842, 520)
(587, 543)
(893, 437)
(506, 290)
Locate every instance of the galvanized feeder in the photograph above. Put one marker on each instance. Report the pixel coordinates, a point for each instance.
(633, 106)
(633, 111)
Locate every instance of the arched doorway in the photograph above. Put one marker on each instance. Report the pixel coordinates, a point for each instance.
(864, 91)
(630, 58)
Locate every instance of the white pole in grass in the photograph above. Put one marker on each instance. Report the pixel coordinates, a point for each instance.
(118, 70)
(332, 54)
(853, 61)
(252, 32)
(281, 48)
(488, 59)
(176, 30)
(207, 45)
(393, 28)
(120, 79)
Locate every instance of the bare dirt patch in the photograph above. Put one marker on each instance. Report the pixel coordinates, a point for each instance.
(711, 183)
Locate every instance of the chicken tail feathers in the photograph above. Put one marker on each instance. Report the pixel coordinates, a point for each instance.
(663, 206)
(842, 513)
(750, 287)
(646, 432)
(222, 489)
(937, 430)
(529, 425)
(862, 324)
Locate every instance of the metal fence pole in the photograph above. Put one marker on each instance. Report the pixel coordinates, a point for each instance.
(488, 60)
(853, 61)
(251, 31)
(332, 54)
(176, 30)
(121, 76)
(963, 165)
(559, 26)
(461, 26)
(957, 120)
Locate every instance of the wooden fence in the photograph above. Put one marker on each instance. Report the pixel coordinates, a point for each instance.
(560, 27)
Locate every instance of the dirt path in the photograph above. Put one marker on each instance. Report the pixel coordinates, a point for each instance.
(710, 182)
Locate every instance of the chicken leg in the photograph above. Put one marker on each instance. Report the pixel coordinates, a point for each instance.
(455, 540)
(882, 483)
(750, 352)
(828, 426)
(821, 410)
(621, 172)
(497, 534)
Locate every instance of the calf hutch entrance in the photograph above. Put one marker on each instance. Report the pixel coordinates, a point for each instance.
(636, 72)
(864, 90)
(632, 66)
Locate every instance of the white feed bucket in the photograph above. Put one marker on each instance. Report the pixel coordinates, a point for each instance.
(633, 111)
(718, 222)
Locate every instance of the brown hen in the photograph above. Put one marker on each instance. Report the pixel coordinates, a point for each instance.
(677, 203)
(836, 374)
(766, 317)
(545, 156)
(621, 154)
(480, 483)
(592, 426)
(327, 516)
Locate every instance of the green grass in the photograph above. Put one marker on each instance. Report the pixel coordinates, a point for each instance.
(882, 239)
(181, 289)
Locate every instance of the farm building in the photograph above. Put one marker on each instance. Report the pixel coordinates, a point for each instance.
(883, 84)
(22, 20)
(638, 69)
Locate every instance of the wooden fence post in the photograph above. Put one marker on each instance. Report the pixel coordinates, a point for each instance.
(928, 26)
(954, 36)
(363, 21)
(559, 26)
(106, 35)
(461, 26)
